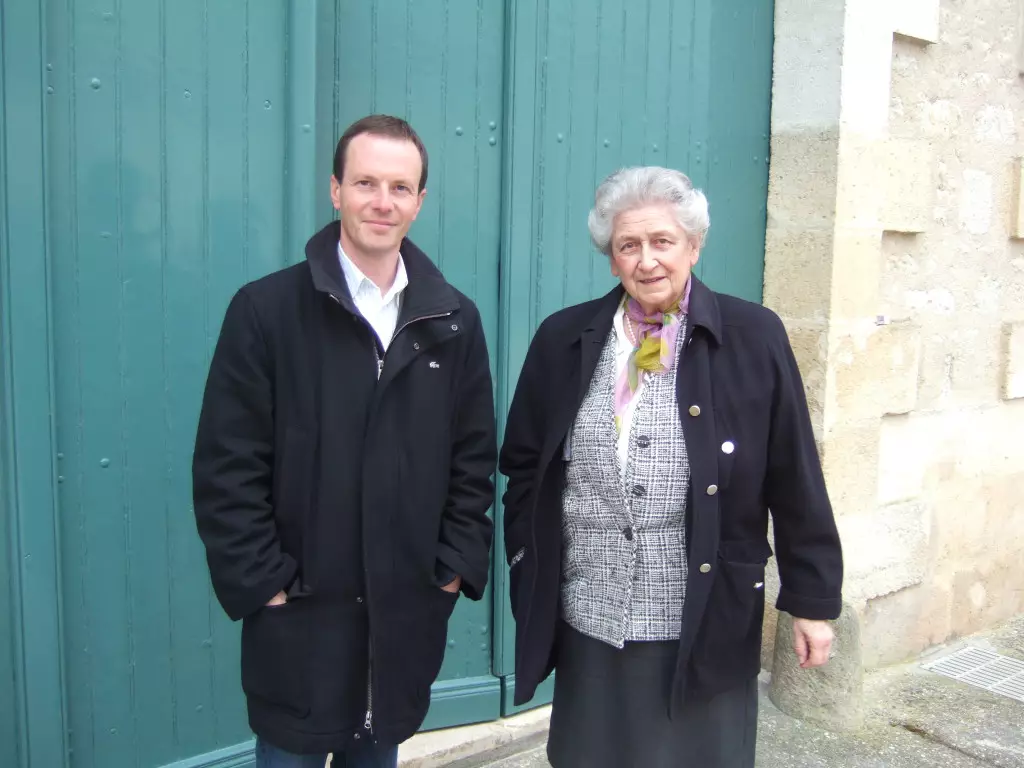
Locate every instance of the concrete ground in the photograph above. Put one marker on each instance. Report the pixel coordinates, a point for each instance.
(915, 718)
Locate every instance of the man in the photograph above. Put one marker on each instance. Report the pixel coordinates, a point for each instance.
(342, 470)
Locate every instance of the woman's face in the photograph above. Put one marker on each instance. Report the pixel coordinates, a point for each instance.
(652, 256)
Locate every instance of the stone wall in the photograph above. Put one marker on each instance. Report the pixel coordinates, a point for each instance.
(895, 260)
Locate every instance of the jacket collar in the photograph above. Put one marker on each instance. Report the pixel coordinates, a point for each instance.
(704, 312)
(428, 293)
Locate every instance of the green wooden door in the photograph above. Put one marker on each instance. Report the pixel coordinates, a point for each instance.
(186, 149)
(598, 85)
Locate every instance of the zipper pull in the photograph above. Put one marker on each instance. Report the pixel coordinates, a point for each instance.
(380, 367)
(368, 722)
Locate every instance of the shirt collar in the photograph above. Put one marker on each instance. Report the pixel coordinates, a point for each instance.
(357, 281)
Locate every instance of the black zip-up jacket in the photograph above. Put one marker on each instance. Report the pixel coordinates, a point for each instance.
(358, 496)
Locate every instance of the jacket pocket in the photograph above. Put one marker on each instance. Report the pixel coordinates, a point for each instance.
(275, 656)
(728, 645)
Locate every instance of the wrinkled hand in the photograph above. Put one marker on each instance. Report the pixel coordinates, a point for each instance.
(812, 641)
(279, 599)
(453, 585)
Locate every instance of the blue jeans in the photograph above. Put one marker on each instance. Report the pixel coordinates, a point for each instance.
(364, 753)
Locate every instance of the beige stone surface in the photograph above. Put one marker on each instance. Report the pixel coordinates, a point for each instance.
(918, 19)
(1013, 361)
(908, 172)
(896, 258)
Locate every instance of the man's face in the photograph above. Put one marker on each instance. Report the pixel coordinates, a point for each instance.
(379, 196)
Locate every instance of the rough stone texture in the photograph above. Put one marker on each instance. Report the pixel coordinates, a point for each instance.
(892, 259)
(918, 19)
(908, 173)
(830, 696)
(1013, 361)
(974, 722)
(891, 546)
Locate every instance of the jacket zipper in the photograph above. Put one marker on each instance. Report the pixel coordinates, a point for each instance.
(368, 720)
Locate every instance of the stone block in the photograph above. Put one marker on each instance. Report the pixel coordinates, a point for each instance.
(771, 615)
(850, 462)
(908, 173)
(875, 370)
(810, 348)
(831, 696)
(916, 19)
(1017, 199)
(807, 63)
(867, 67)
(860, 197)
(899, 626)
(798, 272)
(976, 202)
(905, 448)
(885, 550)
(1013, 361)
(856, 273)
(802, 179)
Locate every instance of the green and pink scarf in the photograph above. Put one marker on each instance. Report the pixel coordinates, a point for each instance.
(656, 336)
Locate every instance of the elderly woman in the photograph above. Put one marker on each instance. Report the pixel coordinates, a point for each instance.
(651, 433)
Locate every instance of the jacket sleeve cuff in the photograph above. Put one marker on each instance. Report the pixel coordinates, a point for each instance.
(242, 604)
(803, 607)
(472, 584)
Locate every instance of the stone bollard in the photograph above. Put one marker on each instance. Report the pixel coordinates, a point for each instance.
(831, 696)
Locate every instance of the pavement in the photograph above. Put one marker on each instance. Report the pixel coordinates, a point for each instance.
(914, 718)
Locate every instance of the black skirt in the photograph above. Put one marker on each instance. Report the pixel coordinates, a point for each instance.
(611, 710)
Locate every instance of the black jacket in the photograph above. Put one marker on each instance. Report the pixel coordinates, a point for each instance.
(358, 496)
(738, 381)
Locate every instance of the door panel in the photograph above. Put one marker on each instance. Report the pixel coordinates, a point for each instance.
(597, 86)
(167, 152)
(440, 66)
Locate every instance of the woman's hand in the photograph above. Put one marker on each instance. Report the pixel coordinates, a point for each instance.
(812, 641)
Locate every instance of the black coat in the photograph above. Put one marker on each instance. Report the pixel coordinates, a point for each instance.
(738, 381)
(358, 496)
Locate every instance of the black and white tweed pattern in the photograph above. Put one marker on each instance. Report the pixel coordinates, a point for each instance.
(624, 557)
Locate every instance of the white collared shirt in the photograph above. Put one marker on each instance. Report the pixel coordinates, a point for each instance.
(623, 349)
(380, 311)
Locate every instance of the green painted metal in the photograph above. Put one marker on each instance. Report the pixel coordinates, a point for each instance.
(597, 85)
(186, 148)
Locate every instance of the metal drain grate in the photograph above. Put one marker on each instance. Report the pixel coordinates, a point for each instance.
(983, 669)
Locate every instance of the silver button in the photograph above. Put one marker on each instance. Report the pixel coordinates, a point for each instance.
(695, 410)
(712, 490)
(705, 568)
(728, 447)
(455, 327)
(415, 345)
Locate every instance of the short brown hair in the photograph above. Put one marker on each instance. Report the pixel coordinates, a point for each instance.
(379, 125)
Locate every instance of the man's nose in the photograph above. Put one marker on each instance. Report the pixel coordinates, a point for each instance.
(383, 200)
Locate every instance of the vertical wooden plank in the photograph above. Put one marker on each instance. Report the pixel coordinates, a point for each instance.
(739, 137)
(26, 401)
(189, 328)
(264, 196)
(517, 263)
(301, 144)
(12, 727)
(143, 440)
(106, 524)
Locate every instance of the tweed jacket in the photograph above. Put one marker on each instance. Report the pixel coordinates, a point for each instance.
(624, 537)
